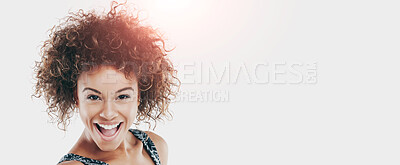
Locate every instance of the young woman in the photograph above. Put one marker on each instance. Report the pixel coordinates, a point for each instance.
(114, 72)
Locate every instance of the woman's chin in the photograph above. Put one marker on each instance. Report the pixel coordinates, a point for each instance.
(107, 145)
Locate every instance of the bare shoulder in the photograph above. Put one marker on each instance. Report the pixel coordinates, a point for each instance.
(70, 163)
(161, 145)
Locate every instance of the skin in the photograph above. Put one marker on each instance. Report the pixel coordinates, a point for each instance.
(105, 95)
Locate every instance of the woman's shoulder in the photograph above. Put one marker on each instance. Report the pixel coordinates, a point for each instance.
(161, 145)
(157, 140)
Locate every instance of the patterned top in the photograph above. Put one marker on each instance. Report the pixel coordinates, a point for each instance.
(148, 145)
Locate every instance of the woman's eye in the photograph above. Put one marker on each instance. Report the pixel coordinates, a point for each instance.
(93, 97)
(121, 97)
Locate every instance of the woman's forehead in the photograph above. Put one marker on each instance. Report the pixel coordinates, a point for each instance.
(105, 75)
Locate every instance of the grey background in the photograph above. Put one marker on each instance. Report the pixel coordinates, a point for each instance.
(348, 116)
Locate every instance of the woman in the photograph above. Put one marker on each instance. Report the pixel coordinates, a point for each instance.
(113, 72)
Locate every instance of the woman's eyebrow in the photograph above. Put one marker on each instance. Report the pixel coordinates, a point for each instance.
(126, 88)
(94, 90)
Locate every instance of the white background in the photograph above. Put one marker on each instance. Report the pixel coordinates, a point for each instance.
(349, 116)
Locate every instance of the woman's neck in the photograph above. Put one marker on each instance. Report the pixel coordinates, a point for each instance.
(86, 146)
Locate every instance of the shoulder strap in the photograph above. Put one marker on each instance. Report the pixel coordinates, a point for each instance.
(84, 160)
(147, 144)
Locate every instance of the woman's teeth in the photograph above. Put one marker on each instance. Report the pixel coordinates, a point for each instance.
(108, 126)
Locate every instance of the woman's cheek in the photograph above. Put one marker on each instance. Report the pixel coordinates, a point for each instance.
(129, 109)
(89, 110)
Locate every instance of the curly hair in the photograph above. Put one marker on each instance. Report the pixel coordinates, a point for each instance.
(85, 40)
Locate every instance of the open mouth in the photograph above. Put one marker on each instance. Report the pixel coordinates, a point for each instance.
(108, 130)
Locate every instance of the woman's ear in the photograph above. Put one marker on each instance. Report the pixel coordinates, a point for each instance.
(75, 95)
(138, 99)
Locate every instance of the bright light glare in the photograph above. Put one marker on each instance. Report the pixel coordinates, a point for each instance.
(170, 5)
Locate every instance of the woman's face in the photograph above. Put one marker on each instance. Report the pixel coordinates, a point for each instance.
(108, 104)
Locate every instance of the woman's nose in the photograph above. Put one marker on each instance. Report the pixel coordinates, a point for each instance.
(108, 111)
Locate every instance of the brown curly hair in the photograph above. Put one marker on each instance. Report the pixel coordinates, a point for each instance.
(85, 40)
